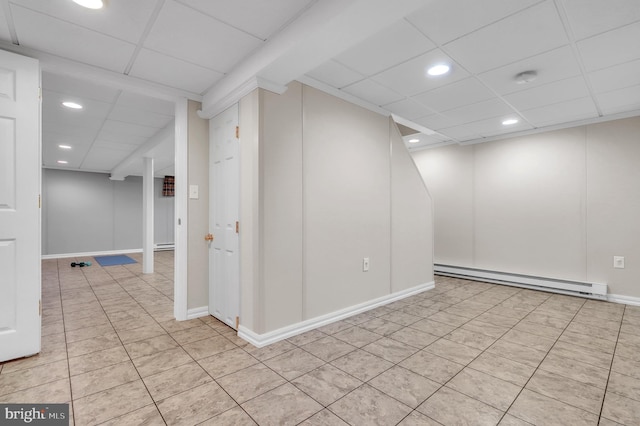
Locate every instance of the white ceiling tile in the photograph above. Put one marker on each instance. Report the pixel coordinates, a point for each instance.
(559, 91)
(480, 111)
(573, 110)
(71, 41)
(258, 17)
(120, 146)
(75, 133)
(76, 87)
(103, 159)
(125, 20)
(116, 136)
(4, 28)
(138, 116)
(134, 100)
(445, 20)
(436, 121)
(494, 126)
(392, 46)
(335, 74)
(408, 109)
(372, 92)
(616, 101)
(533, 31)
(129, 129)
(423, 140)
(590, 17)
(410, 78)
(52, 108)
(555, 65)
(459, 133)
(467, 91)
(154, 66)
(616, 77)
(192, 36)
(51, 153)
(611, 48)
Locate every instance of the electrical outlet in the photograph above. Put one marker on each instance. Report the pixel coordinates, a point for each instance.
(365, 264)
(618, 262)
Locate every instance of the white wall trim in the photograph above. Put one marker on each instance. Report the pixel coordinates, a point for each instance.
(90, 254)
(211, 110)
(194, 313)
(181, 206)
(620, 298)
(260, 340)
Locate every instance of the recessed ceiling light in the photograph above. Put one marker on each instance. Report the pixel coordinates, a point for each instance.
(64, 146)
(90, 4)
(72, 105)
(439, 69)
(414, 140)
(62, 162)
(509, 122)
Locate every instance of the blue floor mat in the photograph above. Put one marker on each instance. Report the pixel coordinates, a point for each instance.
(119, 259)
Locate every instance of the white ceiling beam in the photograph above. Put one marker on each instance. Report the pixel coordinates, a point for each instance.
(325, 30)
(123, 169)
(59, 65)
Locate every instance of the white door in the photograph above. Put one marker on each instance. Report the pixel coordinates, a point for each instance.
(19, 206)
(224, 176)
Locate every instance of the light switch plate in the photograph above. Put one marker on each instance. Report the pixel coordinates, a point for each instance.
(618, 262)
(193, 192)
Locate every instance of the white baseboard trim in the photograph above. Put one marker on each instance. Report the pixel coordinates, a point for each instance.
(90, 253)
(260, 340)
(194, 313)
(627, 300)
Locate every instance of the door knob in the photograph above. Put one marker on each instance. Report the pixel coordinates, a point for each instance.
(208, 237)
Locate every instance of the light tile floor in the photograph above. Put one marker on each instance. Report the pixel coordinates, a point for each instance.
(463, 353)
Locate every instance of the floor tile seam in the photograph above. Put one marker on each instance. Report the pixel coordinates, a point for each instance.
(611, 366)
(368, 382)
(40, 383)
(105, 389)
(71, 403)
(536, 369)
(328, 407)
(130, 359)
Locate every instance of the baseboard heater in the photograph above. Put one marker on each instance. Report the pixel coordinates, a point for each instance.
(574, 288)
(164, 246)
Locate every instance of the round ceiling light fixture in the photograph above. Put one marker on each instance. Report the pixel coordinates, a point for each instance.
(526, 77)
(439, 69)
(90, 4)
(72, 105)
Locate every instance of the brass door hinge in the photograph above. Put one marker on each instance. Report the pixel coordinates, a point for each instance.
(237, 227)
(40, 307)
(39, 201)
(237, 322)
(237, 132)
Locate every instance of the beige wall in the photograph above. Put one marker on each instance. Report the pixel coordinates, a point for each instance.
(198, 210)
(558, 204)
(319, 173)
(411, 220)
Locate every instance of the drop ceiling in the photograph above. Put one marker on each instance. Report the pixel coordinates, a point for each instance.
(129, 62)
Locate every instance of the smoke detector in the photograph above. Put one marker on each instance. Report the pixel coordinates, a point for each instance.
(526, 77)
